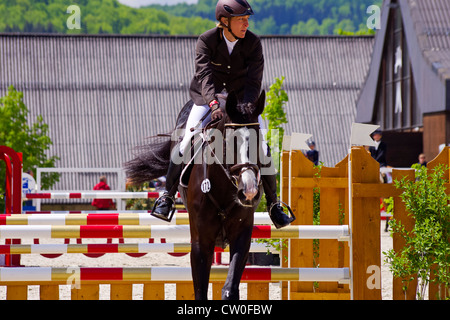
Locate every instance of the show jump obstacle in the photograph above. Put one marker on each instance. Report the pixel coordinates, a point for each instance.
(338, 257)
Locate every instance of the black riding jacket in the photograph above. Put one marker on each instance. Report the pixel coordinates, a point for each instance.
(216, 69)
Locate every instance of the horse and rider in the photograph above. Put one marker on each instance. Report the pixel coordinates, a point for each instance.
(221, 198)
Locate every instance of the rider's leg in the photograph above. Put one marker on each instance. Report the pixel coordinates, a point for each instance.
(278, 217)
(165, 204)
(195, 116)
(269, 180)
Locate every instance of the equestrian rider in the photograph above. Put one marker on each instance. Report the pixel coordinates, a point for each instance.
(228, 58)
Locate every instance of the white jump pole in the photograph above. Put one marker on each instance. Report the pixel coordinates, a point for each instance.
(168, 274)
(338, 232)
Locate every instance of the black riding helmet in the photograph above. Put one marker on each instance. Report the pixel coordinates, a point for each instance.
(232, 8)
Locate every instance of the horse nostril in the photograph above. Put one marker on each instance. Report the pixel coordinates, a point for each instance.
(248, 186)
(251, 193)
(247, 195)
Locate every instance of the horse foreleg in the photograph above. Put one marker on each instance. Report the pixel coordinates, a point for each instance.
(201, 260)
(239, 249)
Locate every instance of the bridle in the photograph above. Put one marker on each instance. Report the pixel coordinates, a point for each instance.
(233, 173)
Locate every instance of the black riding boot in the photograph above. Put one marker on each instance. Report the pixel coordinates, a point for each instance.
(164, 207)
(276, 213)
(269, 181)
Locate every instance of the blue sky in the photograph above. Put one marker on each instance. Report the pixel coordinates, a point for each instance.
(139, 3)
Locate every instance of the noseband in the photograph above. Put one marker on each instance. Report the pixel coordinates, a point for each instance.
(242, 167)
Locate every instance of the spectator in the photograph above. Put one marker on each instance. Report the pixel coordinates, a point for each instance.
(422, 160)
(313, 154)
(379, 151)
(102, 204)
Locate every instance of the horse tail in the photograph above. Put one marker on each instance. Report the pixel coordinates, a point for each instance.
(151, 160)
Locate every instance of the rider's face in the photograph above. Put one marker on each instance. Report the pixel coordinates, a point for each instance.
(238, 25)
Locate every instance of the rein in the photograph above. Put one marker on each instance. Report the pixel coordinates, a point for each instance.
(231, 172)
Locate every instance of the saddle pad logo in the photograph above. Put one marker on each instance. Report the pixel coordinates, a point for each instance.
(206, 185)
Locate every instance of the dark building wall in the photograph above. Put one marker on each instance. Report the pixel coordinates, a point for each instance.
(403, 148)
(436, 127)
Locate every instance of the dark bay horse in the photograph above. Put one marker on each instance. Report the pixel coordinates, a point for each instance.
(221, 189)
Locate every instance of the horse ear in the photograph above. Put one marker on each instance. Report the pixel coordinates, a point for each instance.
(259, 107)
(231, 105)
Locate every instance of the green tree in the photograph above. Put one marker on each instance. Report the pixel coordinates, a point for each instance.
(426, 253)
(266, 26)
(32, 141)
(109, 16)
(274, 112)
(345, 25)
(276, 116)
(327, 26)
(298, 28)
(312, 26)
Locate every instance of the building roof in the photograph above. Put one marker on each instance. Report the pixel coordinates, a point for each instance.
(101, 95)
(427, 33)
(430, 20)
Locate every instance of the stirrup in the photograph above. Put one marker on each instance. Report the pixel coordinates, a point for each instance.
(292, 216)
(169, 217)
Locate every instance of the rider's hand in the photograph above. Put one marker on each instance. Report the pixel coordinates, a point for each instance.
(217, 113)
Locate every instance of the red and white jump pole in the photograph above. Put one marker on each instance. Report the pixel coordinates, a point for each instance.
(72, 275)
(339, 232)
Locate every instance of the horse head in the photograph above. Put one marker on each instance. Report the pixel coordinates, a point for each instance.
(243, 127)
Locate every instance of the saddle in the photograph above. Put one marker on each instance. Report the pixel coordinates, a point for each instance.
(184, 115)
(198, 144)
